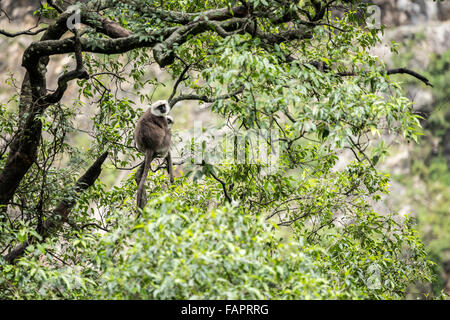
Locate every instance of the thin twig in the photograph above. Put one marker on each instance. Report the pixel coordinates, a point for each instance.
(19, 33)
(204, 98)
(224, 186)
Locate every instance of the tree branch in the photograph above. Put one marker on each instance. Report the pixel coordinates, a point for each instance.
(19, 33)
(224, 186)
(61, 212)
(411, 73)
(186, 18)
(178, 81)
(78, 73)
(35, 98)
(393, 71)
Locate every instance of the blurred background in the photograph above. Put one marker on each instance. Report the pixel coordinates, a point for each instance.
(420, 184)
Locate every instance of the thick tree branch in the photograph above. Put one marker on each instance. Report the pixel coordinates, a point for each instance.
(103, 25)
(162, 49)
(61, 212)
(24, 148)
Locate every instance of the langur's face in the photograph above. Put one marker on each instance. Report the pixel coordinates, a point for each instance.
(169, 121)
(160, 108)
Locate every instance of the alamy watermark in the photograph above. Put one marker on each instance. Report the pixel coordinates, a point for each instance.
(74, 20)
(373, 280)
(227, 146)
(374, 18)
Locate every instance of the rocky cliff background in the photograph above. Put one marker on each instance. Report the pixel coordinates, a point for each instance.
(420, 173)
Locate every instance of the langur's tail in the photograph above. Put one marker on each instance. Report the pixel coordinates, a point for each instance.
(140, 197)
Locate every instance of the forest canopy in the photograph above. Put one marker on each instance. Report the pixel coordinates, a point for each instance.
(296, 223)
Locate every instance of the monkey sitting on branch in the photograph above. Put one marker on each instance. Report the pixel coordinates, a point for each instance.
(153, 138)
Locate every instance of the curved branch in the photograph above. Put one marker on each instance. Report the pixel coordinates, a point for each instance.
(19, 33)
(78, 73)
(187, 17)
(393, 71)
(411, 73)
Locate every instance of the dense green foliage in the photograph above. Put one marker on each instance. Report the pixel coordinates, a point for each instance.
(189, 249)
(304, 230)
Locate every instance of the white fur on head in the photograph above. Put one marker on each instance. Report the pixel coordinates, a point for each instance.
(154, 108)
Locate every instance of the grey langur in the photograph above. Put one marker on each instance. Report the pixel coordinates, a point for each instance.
(153, 138)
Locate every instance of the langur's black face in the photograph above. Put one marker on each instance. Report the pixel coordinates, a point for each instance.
(160, 108)
(169, 121)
